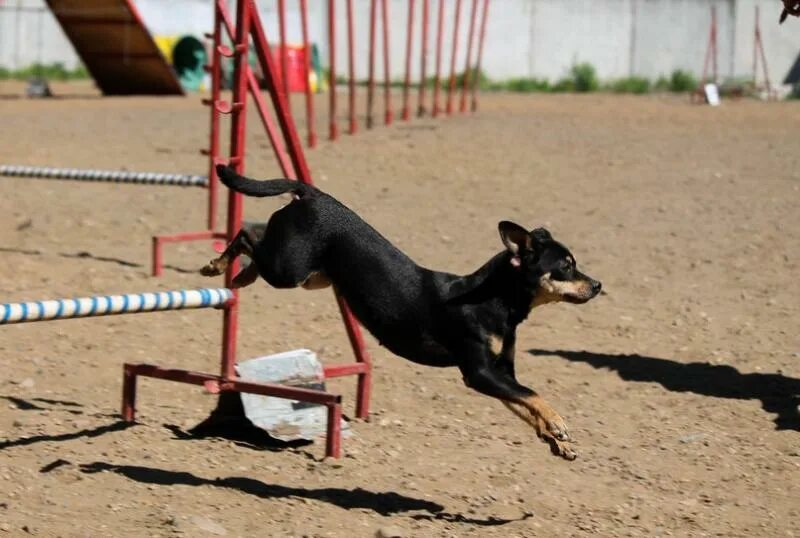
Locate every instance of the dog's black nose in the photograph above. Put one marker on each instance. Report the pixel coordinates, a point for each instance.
(596, 286)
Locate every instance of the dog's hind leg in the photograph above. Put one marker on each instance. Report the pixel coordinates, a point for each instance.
(246, 276)
(243, 243)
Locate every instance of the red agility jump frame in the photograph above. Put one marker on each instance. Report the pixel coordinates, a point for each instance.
(290, 156)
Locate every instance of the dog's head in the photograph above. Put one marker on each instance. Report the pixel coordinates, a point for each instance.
(546, 267)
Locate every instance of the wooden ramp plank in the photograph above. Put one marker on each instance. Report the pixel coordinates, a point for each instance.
(115, 46)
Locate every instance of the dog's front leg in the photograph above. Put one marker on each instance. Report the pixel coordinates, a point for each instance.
(482, 376)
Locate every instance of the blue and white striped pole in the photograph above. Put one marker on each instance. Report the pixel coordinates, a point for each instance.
(107, 305)
(111, 176)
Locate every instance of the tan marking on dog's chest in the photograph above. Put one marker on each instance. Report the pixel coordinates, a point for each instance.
(495, 344)
(316, 281)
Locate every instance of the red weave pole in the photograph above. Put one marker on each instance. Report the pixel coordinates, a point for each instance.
(387, 82)
(423, 60)
(334, 131)
(230, 322)
(467, 64)
(312, 133)
(351, 85)
(371, 82)
(755, 49)
(759, 46)
(452, 84)
(284, 59)
(437, 82)
(714, 34)
(213, 145)
(480, 55)
(407, 83)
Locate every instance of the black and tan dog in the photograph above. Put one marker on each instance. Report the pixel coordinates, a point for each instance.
(429, 317)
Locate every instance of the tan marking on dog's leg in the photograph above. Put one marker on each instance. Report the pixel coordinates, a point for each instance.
(215, 267)
(317, 280)
(495, 344)
(246, 276)
(238, 246)
(557, 447)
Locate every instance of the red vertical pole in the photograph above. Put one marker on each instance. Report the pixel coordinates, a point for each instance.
(407, 83)
(371, 83)
(387, 89)
(480, 55)
(312, 134)
(213, 145)
(423, 60)
(284, 59)
(128, 394)
(239, 116)
(452, 85)
(755, 49)
(351, 86)
(334, 433)
(467, 64)
(437, 83)
(759, 48)
(334, 131)
(714, 38)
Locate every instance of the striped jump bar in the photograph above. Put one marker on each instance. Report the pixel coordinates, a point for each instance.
(111, 176)
(107, 305)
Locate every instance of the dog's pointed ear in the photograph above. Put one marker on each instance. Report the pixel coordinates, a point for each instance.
(515, 238)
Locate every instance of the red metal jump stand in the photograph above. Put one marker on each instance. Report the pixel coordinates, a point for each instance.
(248, 26)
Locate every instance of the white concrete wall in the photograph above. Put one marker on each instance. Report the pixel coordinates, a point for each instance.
(525, 38)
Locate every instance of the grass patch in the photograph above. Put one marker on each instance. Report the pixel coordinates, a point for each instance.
(53, 71)
(637, 85)
(682, 81)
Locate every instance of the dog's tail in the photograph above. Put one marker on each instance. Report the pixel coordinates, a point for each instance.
(269, 187)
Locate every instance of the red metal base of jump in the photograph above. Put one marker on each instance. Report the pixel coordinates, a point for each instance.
(217, 384)
(159, 240)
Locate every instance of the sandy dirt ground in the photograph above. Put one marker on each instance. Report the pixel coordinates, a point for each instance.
(681, 385)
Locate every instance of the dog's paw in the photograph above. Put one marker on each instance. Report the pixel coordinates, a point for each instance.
(212, 268)
(559, 448)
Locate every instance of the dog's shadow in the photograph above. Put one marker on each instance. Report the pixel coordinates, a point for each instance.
(778, 394)
(385, 503)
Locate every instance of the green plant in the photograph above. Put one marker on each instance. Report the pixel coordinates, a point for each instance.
(54, 71)
(682, 81)
(563, 85)
(584, 77)
(527, 85)
(661, 84)
(636, 85)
